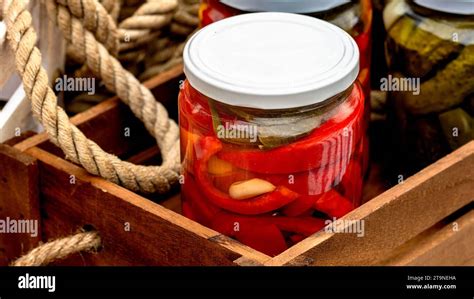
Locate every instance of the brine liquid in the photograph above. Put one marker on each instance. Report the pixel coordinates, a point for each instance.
(315, 178)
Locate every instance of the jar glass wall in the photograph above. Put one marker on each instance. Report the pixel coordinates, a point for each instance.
(298, 166)
(430, 54)
(273, 137)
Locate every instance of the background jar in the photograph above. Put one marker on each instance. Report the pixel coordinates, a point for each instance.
(272, 147)
(430, 44)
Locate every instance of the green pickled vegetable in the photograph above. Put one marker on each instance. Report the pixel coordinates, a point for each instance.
(273, 132)
(267, 129)
(419, 50)
(448, 88)
(458, 127)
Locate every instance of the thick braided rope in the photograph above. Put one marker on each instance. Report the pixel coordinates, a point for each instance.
(112, 7)
(59, 249)
(96, 19)
(185, 23)
(147, 19)
(115, 77)
(72, 141)
(185, 19)
(175, 58)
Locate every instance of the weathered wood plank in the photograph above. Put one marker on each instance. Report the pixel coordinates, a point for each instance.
(18, 200)
(157, 235)
(394, 217)
(451, 244)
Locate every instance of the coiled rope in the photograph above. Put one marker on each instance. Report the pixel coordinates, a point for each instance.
(90, 25)
(59, 249)
(77, 148)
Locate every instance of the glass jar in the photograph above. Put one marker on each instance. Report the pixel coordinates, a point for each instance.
(271, 126)
(355, 17)
(430, 54)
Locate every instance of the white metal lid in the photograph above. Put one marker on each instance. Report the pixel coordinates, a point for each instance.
(299, 6)
(271, 60)
(461, 7)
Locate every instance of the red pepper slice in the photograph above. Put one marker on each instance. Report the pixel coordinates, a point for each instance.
(301, 225)
(333, 204)
(267, 239)
(229, 224)
(208, 146)
(310, 152)
(251, 231)
(352, 181)
(199, 209)
(264, 233)
(300, 205)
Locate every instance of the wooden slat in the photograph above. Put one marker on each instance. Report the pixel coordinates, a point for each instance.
(158, 236)
(18, 200)
(451, 244)
(394, 217)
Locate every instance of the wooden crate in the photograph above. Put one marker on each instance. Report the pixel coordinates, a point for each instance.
(427, 220)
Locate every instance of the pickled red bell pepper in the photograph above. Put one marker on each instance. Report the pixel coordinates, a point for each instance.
(267, 239)
(208, 146)
(222, 221)
(305, 226)
(352, 181)
(228, 223)
(345, 125)
(333, 204)
(252, 231)
(330, 202)
(201, 209)
(300, 205)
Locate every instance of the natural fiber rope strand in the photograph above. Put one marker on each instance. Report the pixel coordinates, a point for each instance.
(117, 79)
(96, 19)
(59, 249)
(71, 140)
(149, 17)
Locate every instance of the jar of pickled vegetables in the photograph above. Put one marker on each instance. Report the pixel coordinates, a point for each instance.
(271, 120)
(430, 54)
(354, 16)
